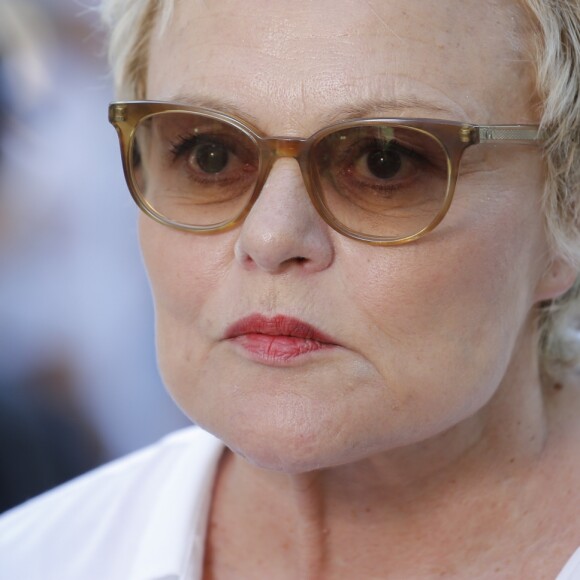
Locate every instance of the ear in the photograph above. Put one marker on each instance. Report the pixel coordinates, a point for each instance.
(557, 279)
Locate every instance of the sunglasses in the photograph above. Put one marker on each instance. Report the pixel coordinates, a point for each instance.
(381, 181)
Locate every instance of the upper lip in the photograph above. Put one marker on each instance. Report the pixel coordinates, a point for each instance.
(278, 325)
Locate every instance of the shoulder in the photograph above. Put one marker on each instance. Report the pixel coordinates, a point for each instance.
(103, 516)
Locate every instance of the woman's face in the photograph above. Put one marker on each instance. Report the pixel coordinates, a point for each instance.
(422, 334)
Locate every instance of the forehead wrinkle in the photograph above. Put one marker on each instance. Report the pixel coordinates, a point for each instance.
(303, 86)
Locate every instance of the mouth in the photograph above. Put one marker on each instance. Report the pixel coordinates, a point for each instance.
(277, 339)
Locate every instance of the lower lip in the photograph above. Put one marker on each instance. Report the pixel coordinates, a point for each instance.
(278, 348)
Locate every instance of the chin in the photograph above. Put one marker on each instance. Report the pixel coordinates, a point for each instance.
(293, 447)
(287, 457)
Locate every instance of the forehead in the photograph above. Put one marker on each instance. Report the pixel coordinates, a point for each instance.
(287, 65)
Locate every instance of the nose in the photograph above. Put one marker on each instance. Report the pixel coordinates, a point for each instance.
(283, 229)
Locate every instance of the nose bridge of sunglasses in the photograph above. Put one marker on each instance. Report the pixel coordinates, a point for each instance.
(285, 147)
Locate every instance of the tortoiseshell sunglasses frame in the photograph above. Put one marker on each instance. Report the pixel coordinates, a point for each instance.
(454, 138)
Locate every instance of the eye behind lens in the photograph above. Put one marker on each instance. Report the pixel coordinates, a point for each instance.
(211, 157)
(193, 169)
(384, 164)
(379, 180)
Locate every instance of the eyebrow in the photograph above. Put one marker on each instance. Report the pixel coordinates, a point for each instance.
(222, 105)
(395, 107)
(389, 107)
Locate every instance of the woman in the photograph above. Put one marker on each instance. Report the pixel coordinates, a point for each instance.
(368, 352)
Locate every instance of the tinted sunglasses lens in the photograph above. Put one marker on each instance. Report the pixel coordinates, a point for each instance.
(193, 169)
(381, 181)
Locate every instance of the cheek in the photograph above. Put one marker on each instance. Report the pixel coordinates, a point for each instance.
(182, 267)
(446, 312)
(486, 256)
(184, 271)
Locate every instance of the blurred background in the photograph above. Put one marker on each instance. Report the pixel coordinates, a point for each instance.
(78, 379)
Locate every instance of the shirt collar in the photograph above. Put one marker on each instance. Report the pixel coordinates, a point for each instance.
(173, 541)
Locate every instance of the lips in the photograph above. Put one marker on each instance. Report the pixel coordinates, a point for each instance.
(277, 339)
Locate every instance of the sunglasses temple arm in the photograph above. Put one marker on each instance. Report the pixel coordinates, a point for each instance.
(508, 133)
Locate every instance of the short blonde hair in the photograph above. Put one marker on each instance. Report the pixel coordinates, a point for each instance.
(555, 29)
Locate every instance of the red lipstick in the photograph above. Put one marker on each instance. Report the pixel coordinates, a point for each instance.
(277, 339)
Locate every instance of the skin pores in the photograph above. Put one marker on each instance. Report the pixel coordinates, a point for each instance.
(434, 335)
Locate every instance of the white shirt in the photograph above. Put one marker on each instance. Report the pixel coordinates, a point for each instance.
(143, 517)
